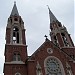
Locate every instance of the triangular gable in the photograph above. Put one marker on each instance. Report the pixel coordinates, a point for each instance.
(47, 41)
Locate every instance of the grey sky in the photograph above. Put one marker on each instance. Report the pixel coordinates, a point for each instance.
(36, 18)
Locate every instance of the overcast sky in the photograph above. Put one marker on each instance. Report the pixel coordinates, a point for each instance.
(36, 18)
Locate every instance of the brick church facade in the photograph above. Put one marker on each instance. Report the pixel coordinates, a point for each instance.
(55, 57)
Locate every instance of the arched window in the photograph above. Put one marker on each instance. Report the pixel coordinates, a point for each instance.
(64, 39)
(15, 35)
(53, 66)
(16, 57)
(56, 41)
(17, 73)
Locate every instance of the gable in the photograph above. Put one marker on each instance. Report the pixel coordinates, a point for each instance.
(47, 49)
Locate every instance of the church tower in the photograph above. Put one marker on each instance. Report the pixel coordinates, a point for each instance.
(59, 34)
(15, 47)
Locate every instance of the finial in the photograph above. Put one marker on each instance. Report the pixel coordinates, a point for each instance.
(46, 37)
(14, 10)
(14, 2)
(48, 7)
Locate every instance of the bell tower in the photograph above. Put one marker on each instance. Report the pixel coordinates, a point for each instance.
(15, 47)
(59, 34)
(15, 28)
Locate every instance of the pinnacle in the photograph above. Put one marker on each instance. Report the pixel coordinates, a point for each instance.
(52, 17)
(14, 10)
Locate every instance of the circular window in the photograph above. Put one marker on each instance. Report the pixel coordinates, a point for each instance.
(49, 50)
(53, 66)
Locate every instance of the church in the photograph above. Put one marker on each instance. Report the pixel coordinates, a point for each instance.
(53, 57)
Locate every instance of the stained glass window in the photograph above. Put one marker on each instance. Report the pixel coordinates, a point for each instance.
(53, 67)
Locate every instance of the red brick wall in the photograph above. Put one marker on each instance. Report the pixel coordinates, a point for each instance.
(11, 69)
(10, 49)
(8, 32)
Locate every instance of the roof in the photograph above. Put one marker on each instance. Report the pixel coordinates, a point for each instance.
(52, 17)
(46, 41)
(14, 10)
(64, 50)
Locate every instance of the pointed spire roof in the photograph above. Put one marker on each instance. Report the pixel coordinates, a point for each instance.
(14, 10)
(51, 15)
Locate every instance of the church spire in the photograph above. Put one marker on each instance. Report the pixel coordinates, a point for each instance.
(51, 15)
(14, 10)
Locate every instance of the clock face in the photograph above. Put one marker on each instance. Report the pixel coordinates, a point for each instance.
(53, 67)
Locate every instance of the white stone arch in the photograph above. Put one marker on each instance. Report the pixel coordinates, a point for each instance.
(53, 57)
(17, 73)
